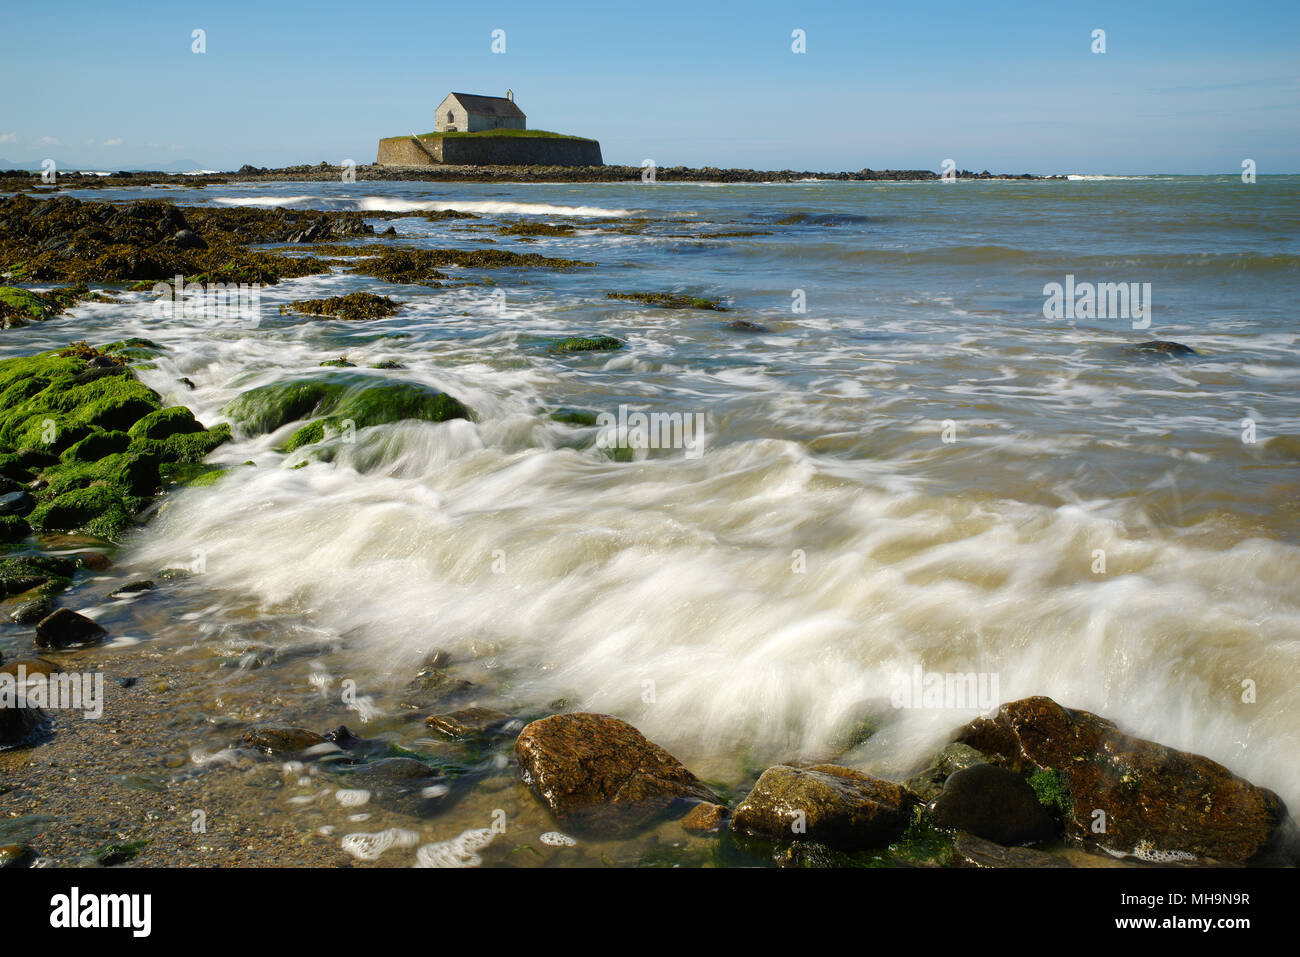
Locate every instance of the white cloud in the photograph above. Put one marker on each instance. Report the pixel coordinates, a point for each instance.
(8, 137)
(115, 141)
(49, 141)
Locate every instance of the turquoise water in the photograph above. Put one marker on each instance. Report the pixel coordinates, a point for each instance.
(751, 604)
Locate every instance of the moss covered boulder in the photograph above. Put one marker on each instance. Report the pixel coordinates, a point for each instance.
(1159, 804)
(96, 437)
(21, 306)
(336, 399)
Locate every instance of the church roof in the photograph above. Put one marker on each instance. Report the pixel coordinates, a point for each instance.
(491, 105)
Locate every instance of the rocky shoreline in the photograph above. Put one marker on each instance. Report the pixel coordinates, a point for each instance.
(86, 449)
(14, 180)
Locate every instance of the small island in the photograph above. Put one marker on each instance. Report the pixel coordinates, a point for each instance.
(475, 130)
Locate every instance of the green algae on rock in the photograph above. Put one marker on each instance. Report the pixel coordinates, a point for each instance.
(94, 435)
(335, 400)
(354, 306)
(20, 306)
(587, 344)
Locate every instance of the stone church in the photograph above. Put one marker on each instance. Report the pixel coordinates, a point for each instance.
(471, 113)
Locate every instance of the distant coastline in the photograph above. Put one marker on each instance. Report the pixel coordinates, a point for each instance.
(11, 180)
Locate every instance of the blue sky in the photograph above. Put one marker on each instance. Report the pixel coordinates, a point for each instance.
(1191, 87)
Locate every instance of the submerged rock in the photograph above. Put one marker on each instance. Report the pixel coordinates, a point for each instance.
(971, 851)
(1161, 347)
(993, 803)
(597, 771)
(399, 784)
(281, 740)
(744, 325)
(67, 629)
(467, 722)
(835, 806)
(1156, 800)
(16, 856)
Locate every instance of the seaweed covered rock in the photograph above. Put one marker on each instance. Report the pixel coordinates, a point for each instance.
(336, 398)
(90, 437)
(352, 307)
(423, 265)
(86, 241)
(586, 344)
(598, 772)
(21, 306)
(1159, 803)
(22, 574)
(668, 300)
(828, 804)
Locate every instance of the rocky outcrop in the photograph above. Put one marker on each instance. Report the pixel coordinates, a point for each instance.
(1158, 803)
(835, 806)
(600, 773)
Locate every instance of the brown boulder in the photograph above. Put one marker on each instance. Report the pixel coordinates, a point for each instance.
(835, 806)
(1159, 803)
(596, 771)
(65, 628)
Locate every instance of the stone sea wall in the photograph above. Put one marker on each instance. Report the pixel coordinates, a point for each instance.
(488, 151)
